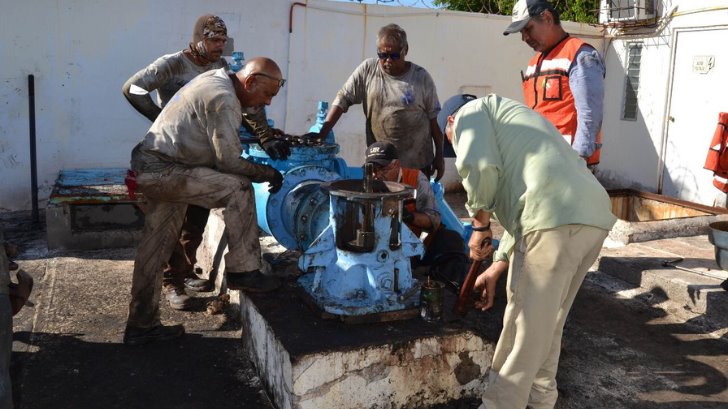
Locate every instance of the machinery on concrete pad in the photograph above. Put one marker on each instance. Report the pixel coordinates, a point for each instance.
(348, 228)
(360, 264)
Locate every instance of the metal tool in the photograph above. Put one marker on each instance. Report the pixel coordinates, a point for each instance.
(463, 303)
(671, 263)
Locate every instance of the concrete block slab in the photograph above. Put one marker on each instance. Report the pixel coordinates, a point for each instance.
(91, 209)
(307, 362)
(63, 233)
(693, 283)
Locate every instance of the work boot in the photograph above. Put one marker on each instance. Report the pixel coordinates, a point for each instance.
(141, 336)
(252, 281)
(195, 283)
(177, 298)
(20, 292)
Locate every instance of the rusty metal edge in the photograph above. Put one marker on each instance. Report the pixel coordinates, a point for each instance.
(666, 199)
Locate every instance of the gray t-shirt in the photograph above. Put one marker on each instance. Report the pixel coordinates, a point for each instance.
(168, 73)
(398, 109)
(425, 201)
(198, 128)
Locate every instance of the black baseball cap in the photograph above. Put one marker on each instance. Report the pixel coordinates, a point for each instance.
(523, 10)
(381, 153)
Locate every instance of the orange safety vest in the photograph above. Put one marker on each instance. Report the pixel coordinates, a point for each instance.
(546, 90)
(717, 159)
(409, 178)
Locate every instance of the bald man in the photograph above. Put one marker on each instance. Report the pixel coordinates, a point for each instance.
(192, 156)
(167, 75)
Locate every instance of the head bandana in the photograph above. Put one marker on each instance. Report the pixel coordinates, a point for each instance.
(207, 26)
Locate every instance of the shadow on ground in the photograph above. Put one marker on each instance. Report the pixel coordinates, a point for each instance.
(197, 371)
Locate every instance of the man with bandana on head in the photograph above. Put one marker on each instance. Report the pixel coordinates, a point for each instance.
(167, 75)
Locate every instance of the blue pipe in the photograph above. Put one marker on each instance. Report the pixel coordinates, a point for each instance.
(298, 212)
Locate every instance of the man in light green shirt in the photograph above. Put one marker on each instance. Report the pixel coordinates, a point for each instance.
(516, 166)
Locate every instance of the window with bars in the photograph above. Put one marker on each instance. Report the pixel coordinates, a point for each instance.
(632, 81)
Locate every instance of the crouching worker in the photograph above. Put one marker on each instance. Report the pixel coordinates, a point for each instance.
(444, 248)
(556, 215)
(191, 156)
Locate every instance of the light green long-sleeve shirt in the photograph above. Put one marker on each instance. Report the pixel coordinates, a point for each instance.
(516, 165)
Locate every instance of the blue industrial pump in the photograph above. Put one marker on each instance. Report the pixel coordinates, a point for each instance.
(309, 213)
(360, 264)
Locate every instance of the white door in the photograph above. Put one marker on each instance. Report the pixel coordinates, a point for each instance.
(699, 93)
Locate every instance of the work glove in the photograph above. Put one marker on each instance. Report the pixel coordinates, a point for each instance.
(275, 182)
(276, 148)
(407, 216)
(314, 137)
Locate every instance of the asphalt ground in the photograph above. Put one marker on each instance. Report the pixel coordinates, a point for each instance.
(624, 347)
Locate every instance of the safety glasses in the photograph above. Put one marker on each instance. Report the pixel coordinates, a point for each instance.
(281, 81)
(392, 56)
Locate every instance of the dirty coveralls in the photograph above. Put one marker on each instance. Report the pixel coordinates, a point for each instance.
(556, 215)
(397, 109)
(191, 155)
(167, 75)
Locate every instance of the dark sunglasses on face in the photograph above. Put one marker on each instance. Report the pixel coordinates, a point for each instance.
(281, 81)
(392, 56)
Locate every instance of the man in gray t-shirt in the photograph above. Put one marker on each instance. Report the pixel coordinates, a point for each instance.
(400, 103)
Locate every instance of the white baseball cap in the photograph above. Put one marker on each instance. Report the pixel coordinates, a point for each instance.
(523, 10)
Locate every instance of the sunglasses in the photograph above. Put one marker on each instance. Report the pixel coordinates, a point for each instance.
(281, 81)
(392, 56)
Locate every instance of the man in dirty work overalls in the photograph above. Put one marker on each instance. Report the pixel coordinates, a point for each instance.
(167, 75)
(191, 156)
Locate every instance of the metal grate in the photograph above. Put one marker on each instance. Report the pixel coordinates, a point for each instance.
(632, 81)
(630, 9)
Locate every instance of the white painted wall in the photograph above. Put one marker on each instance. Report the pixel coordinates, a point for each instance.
(463, 52)
(634, 151)
(82, 52)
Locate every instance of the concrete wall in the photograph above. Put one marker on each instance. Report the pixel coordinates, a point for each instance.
(653, 153)
(82, 52)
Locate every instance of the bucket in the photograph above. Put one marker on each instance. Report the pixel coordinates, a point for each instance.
(718, 235)
(431, 297)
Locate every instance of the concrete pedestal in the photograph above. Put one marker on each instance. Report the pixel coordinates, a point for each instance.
(306, 361)
(91, 209)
